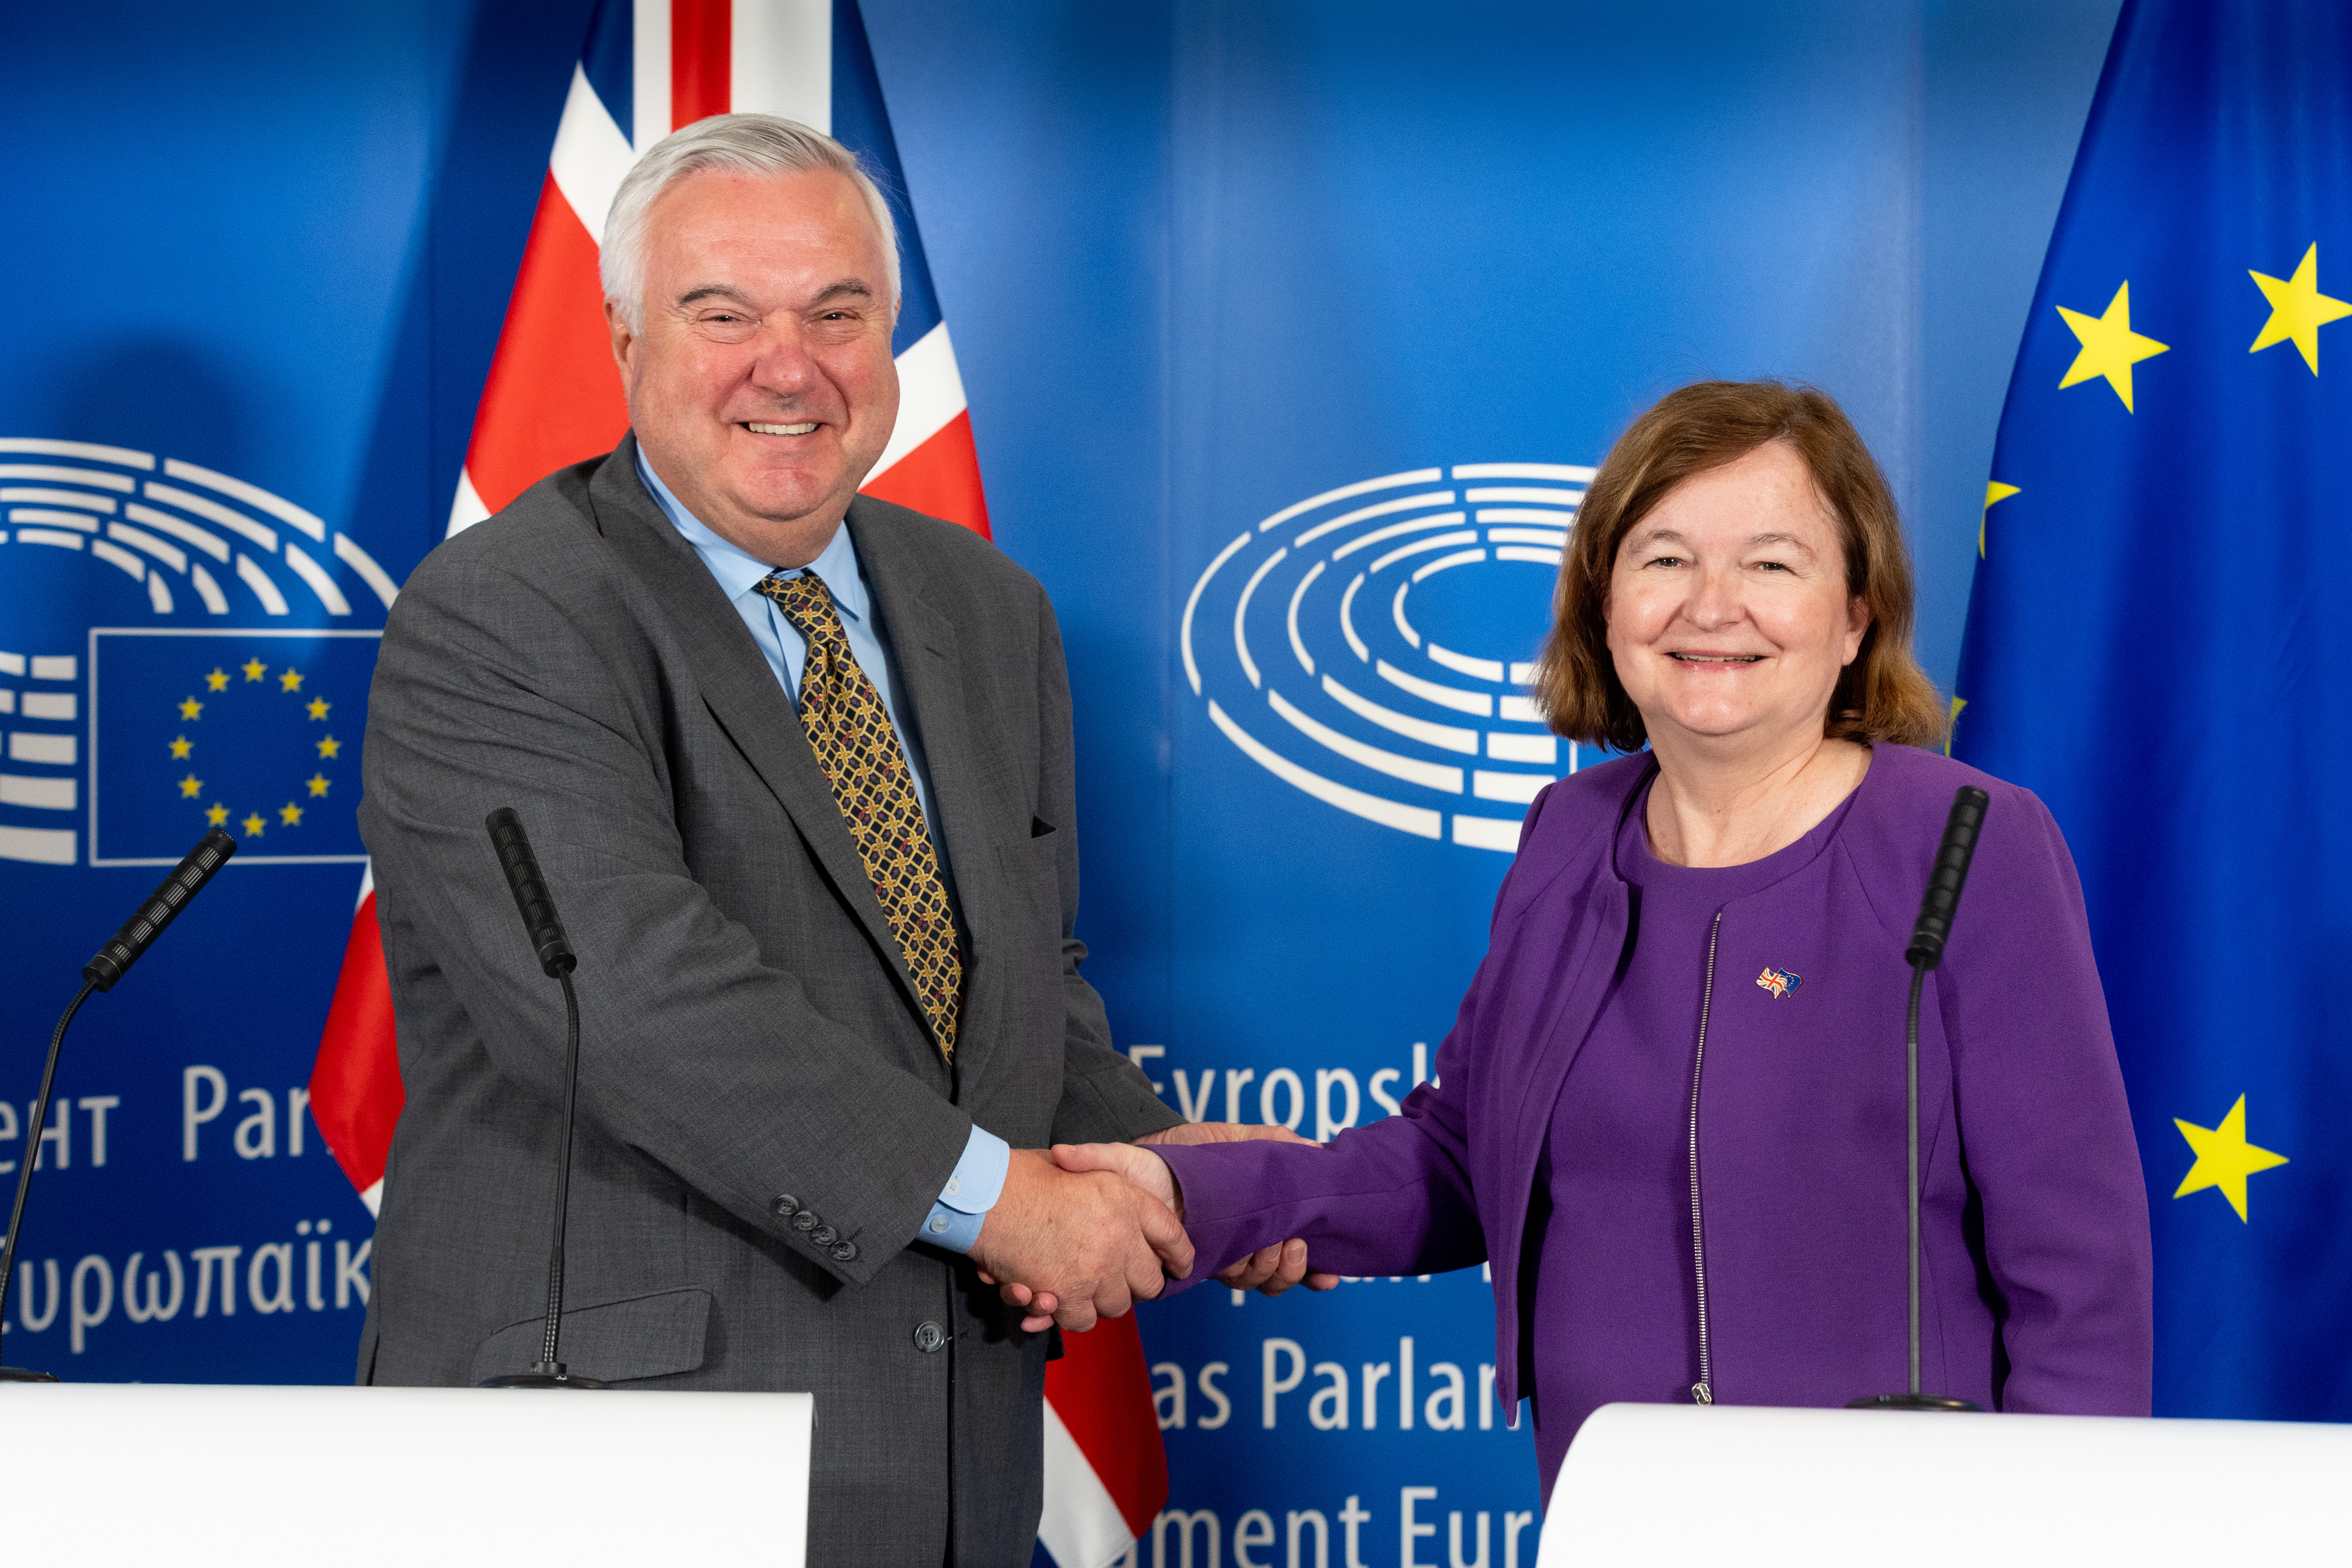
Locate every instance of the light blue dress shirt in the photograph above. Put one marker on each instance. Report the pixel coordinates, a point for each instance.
(978, 1180)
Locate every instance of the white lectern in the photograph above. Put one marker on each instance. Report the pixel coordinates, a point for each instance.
(1678, 1484)
(154, 1473)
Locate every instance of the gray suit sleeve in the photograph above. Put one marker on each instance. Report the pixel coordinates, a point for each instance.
(490, 692)
(1106, 1098)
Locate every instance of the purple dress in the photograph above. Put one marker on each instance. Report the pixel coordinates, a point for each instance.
(1579, 1115)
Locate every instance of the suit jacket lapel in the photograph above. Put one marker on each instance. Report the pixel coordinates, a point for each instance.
(966, 760)
(1577, 984)
(738, 685)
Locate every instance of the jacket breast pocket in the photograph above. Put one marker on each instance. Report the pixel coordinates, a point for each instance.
(654, 1335)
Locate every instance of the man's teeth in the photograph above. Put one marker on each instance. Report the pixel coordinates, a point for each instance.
(758, 429)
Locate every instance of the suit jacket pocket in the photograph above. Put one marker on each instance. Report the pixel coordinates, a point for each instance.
(640, 1336)
(1033, 867)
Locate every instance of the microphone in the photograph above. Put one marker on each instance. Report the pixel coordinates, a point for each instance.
(188, 880)
(112, 962)
(531, 895)
(1942, 897)
(1937, 903)
(537, 906)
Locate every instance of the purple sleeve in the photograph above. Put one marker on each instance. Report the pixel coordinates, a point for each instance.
(1391, 1197)
(2045, 1126)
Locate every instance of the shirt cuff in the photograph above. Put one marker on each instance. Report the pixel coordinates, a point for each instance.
(972, 1189)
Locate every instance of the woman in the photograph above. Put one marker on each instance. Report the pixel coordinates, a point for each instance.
(1672, 1112)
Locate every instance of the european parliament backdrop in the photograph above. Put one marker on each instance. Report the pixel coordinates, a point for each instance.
(1227, 280)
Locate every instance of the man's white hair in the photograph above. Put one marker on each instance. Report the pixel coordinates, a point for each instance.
(729, 143)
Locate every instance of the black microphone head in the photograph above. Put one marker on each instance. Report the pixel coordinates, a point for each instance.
(1942, 897)
(163, 906)
(531, 898)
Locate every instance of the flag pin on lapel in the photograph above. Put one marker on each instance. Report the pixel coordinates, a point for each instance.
(1782, 983)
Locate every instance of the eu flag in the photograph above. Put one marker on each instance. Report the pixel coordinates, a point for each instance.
(253, 732)
(2160, 605)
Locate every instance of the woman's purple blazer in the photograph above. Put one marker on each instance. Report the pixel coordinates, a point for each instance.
(2036, 1281)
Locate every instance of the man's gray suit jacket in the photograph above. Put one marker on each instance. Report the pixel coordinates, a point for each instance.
(764, 1123)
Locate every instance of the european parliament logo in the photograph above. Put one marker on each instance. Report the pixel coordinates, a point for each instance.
(1371, 645)
(141, 702)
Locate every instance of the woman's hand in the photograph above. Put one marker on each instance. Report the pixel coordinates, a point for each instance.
(1270, 1271)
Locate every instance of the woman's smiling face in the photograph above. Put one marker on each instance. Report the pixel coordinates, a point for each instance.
(1729, 613)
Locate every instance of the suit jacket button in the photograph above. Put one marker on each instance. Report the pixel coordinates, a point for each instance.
(825, 1235)
(785, 1206)
(929, 1336)
(845, 1251)
(806, 1221)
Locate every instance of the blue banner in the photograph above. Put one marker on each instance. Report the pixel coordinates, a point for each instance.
(1220, 277)
(2150, 644)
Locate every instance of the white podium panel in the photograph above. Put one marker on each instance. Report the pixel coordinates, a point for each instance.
(1676, 1484)
(149, 1474)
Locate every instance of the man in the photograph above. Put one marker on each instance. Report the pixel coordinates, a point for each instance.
(797, 765)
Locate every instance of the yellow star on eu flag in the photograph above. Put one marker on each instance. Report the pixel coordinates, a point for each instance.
(290, 814)
(2298, 309)
(328, 746)
(254, 669)
(192, 710)
(217, 814)
(1995, 492)
(291, 681)
(318, 707)
(191, 787)
(181, 746)
(2110, 347)
(218, 679)
(252, 825)
(2224, 1158)
(318, 783)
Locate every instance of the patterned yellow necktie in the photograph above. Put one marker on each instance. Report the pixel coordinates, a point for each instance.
(850, 731)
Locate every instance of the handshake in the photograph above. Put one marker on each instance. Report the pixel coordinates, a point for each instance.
(1085, 1232)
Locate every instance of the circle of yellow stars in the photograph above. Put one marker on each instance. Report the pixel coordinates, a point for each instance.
(2109, 346)
(192, 711)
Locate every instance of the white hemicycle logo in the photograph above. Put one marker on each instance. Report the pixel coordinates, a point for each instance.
(1386, 660)
(210, 554)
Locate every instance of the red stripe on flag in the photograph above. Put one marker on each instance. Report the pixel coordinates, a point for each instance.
(701, 62)
(1102, 1391)
(553, 396)
(941, 478)
(355, 1089)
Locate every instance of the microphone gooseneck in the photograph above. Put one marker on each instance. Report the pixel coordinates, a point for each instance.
(111, 963)
(554, 948)
(1937, 904)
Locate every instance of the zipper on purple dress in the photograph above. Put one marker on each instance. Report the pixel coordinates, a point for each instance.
(1702, 1390)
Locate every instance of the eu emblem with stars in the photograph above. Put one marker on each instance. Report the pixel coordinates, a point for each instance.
(256, 733)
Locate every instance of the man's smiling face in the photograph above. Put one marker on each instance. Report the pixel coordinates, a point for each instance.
(760, 384)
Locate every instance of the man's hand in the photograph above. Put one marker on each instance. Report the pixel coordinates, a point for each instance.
(1089, 1243)
(1270, 1271)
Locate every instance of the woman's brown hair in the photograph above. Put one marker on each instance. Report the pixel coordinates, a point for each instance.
(1882, 695)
